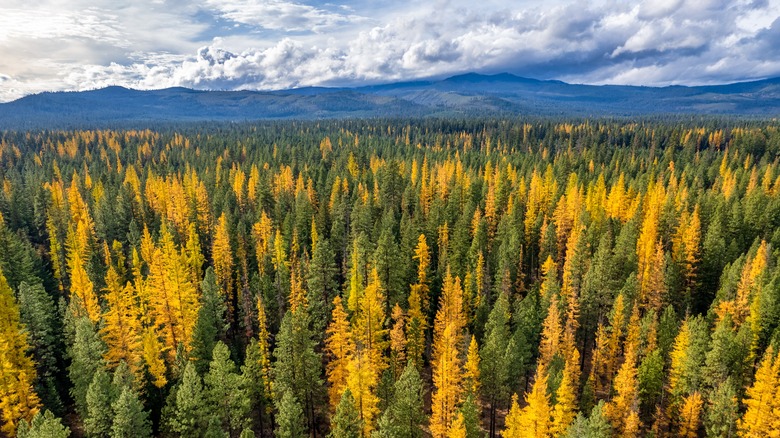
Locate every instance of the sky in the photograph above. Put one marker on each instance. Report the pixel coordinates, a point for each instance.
(53, 45)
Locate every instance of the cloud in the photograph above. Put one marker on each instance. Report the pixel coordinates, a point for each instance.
(272, 44)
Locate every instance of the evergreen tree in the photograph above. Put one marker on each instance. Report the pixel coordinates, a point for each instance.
(130, 418)
(404, 416)
(345, 423)
(321, 284)
(187, 418)
(86, 357)
(100, 396)
(471, 417)
(594, 426)
(38, 313)
(43, 425)
(211, 325)
(226, 391)
(290, 420)
(494, 359)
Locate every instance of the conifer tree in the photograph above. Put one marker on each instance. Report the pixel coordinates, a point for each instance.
(340, 346)
(222, 254)
(86, 357)
(494, 359)
(122, 331)
(289, 424)
(130, 418)
(226, 391)
(211, 325)
(446, 362)
(188, 415)
(100, 396)
(760, 398)
(39, 314)
(471, 374)
(43, 425)
(404, 416)
(18, 400)
(345, 422)
(690, 416)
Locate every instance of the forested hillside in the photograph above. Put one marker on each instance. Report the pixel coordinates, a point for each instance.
(392, 279)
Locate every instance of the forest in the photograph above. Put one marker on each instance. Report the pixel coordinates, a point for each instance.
(392, 278)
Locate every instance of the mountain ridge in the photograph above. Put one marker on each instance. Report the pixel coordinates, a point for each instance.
(468, 94)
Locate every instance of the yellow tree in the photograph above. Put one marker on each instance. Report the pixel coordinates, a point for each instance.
(446, 363)
(173, 298)
(340, 346)
(81, 287)
(566, 395)
(551, 333)
(533, 421)
(263, 339)
(222, 254)
(471, 375)
(690, 416)
(122, 331)
(367, 363)
(622, 410)
(18, 401)
(761, 399)
(417, 322)
(398, 341)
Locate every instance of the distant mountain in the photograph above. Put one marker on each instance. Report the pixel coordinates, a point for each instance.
(464, 95)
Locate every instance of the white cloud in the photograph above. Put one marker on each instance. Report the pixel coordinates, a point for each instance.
(272, 44)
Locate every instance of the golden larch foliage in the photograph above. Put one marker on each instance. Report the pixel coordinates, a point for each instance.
(122, 329)
(446, 361)
(471, 375)
(398, 341)
(690, 416)
(18, 400)
(339, 346)
(534, 420)
(763, 405)
(222, 254)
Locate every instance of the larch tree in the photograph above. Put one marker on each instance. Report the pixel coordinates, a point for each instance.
(761, 399)
(689, 420)
(419, 304)
(222, 255)
(534, 420)
(340, 346)
(122, 330)
(18, 400)
(471, 373)
(446, 361)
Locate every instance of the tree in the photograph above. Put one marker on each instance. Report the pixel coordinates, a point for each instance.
(257, 378)
(173, 298)
(321, 283)
(18, 400)
(297, 368)
(345, 423)
(471, 416)
(122, 331)
(760, 398)
(86, 357)
(43, 425)
(534, 419)
(222, 254)
(226, 391)
(446, 362)
(211, 325)
(690, 416)
(723, 411)
(404, 416)
(130, 418)
(471, 375)
(100, 396)
(187, 418)
(339, 345)
(494, 359)
(289, 424)
(594, 426)
(38, 314)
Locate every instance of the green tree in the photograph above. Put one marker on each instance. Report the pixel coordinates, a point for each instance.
(211, 325)
(346, 423)
(723, 412)
(470, 412)
(321, 284)
(404, 416)
(189, 411)
(38, 313)
(43, 425)
(495, 356)
(100, 396)
(290, 420)
(298, 366)
(130, 418)
(594, 426)
(86, 357)
(226, 392)
(256, 384)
